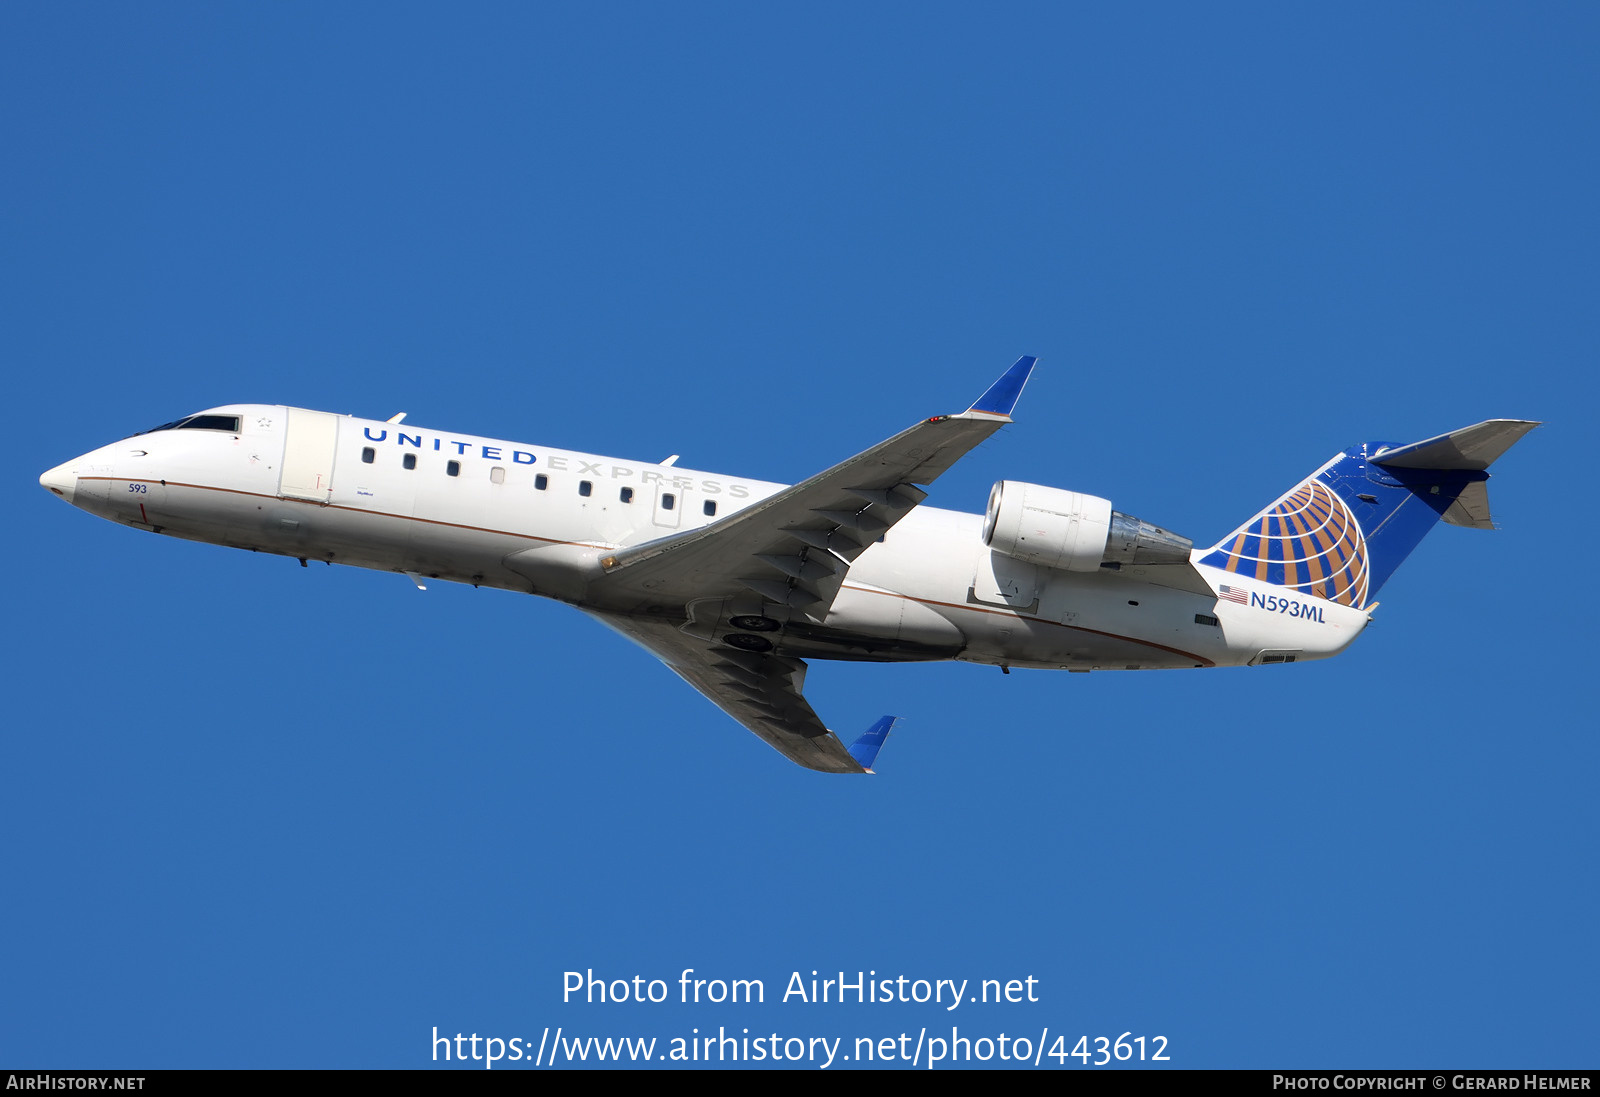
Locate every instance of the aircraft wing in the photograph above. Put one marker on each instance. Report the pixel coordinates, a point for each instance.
(760, 691)
(794, 547)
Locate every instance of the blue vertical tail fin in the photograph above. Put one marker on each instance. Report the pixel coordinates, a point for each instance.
(1341, 532)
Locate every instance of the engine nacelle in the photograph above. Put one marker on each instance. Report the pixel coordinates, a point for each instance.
(1073, 531)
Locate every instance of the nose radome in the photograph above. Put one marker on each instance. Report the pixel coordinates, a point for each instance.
(62, 480)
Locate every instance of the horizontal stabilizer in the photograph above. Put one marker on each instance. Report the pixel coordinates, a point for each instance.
(1475, 447)
(1470, 449)
(865, 749)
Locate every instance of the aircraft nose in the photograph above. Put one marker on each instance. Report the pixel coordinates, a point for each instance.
(63, 480)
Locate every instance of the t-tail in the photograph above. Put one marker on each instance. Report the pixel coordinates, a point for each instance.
(1343, 531)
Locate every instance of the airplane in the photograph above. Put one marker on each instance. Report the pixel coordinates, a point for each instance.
(736, 583)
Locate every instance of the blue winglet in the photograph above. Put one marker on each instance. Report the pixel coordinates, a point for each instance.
(1002, 395)
(865, 749)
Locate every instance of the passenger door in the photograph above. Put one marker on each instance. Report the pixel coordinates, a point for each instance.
(310, 440)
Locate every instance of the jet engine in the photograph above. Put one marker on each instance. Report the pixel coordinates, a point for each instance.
(1072, 531)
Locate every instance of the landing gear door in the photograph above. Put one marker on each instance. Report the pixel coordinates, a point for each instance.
(308, 450)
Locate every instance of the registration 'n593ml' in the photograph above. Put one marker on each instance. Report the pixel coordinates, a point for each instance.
(1272, 603)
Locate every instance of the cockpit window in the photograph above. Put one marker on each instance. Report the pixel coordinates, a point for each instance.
(229, 423)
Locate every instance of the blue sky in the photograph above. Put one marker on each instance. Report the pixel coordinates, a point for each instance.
(261, 815)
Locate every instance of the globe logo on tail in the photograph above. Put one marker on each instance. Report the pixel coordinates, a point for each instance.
(1308, 541)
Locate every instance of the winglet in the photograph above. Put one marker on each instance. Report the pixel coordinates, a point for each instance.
(865, 749)
(1002, 395)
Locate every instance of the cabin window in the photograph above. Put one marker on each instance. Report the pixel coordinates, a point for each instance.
(626, 495)
(453, 468)
(710, 508)
(540, 482)
(409, 460)
(669, 501)
(585, 488)
(368, 455)
(497, 475)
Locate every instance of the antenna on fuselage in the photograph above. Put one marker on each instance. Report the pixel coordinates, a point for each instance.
(397, 417)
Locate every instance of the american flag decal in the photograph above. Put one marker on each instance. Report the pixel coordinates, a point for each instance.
(1233, 594)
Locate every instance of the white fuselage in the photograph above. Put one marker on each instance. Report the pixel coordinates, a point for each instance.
(342, 493)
